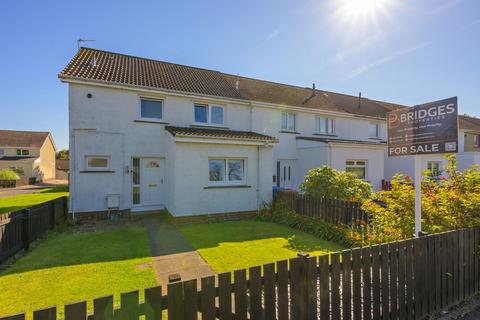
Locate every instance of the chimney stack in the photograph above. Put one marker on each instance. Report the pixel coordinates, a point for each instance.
(359, 99)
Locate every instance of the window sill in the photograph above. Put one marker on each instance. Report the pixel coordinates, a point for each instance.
(288, 131)
(325, 134)
(375, 138)
(150, 121)
(97, 171)
(211, 126)
(229, 186)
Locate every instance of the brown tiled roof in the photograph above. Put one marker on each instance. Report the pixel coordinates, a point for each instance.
(469, 123)
(218, 133)
(346, 141)
(27, 139)
(113, 68)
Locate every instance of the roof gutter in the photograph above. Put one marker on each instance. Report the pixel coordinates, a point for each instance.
(214, 98)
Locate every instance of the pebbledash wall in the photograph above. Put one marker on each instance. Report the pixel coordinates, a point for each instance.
(107, 124)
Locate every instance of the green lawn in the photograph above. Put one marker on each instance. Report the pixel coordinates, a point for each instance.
(20, 201)
(69, 267)
(228, 246)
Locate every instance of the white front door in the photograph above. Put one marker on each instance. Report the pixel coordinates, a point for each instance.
(287, 174)
(148, 176)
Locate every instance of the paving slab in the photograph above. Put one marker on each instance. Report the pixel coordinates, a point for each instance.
(172, 253)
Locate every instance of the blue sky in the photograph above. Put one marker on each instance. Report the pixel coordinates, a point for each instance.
(408, 52)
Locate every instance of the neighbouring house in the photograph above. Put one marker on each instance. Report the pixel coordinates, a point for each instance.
(468, 153)
(147, 134)
(30, 154)
(62, 169)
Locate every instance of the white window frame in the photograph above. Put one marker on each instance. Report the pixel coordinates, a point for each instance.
(88, 168)
(377, 130)
(330, 122)
(429, 167)
(21, 152)
(162, 101)
(476, 140)
(209, 114)
(227, 182)
(287, 126)
(356, 165)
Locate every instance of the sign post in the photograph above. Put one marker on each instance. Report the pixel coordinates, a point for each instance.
(430, 128)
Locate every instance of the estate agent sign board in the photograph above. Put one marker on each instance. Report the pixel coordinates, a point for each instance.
(424, 129)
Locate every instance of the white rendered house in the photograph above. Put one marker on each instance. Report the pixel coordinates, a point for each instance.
(148, 135)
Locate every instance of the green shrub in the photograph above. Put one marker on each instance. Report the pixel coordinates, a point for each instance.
(7, 174)
(447, 203)
(340, 234)
(330, 183)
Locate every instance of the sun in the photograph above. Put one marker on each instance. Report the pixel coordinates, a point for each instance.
(361, 8)
(362, 12)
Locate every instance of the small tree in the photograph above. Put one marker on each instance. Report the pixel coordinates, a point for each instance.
(7, 174)
(330, 183)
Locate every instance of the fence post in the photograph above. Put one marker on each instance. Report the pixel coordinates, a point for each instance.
(26, 228)
(52, 213)
(65, 207)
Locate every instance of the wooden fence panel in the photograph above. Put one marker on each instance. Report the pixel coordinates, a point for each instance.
(76, 311)
(153, 303)
(240, 280)
(402, 280)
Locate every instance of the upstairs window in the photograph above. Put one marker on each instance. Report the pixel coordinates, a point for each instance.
(357, 167)
(288, 121)
(23, 152)
(325, 125)
(151, 109)
(207, 114)
(476, 141)
(374, 130)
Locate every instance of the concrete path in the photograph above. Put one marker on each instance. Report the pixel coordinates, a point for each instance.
(172, 253)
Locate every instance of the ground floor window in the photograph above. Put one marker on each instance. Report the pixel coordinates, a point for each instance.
(18, 170)
(434, 168)
(357, 167)
(226, 170)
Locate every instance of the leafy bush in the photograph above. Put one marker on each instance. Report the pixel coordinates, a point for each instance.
(323, 230)
(328, 182)
(7, 174)
(447, 203)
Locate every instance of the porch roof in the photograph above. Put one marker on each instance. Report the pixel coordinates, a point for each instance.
(219, 134)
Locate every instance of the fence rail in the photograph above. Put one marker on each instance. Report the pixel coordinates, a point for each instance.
(20, 228)
(331, 210)
(402, 280)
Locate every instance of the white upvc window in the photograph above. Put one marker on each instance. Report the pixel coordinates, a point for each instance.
(476, 140)
(225, 171)
(209, 114)
(435, 168)
(357, 167)
(151, 109)
(288, 121)
(374, 130)
(23, 152)
(97, 163)
(325, 125)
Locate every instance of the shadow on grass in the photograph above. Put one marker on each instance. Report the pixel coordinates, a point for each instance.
(70, 248)
(211, 235)
(60, 188)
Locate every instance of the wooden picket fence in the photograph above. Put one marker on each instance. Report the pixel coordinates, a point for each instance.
(331, 210)
(20, 228)
(401, 280)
